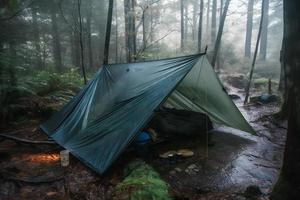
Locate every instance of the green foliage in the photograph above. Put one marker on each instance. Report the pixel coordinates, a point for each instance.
(141, 183)
(37, 93)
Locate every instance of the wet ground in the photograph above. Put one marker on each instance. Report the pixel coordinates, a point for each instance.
(236, 161)
(223, 171)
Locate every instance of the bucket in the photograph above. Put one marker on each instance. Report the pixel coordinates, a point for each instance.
(64, 158)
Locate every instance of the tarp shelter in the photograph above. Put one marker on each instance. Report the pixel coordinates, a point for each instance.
(106, 115)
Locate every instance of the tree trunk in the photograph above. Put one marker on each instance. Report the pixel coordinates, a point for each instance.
(213, 21)
(249, 29)
(108, 30)
(130, 35)
(264, 32)
(195, 10)
(56, 41)
(117, 33)
(185, 21)
(288, 185)
(36, 37)
(220, 32)
(221, 9)
(200, 26)
(255, 53)
(182, 25)
(89, 34)
(81, 41)
(207, 21)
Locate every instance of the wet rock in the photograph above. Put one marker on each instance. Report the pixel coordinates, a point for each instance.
(237, 80)
(252, 192)
(173, 172)
(192, 169)
(178, 169)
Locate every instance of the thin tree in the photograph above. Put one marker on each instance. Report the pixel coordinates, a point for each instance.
(182, 25)
(213, 21)
(81, 41)
(255, 53)
(207, 20)
(36, 37)
(108, 30)
(130, 31)
(264, 32)
(200, 25)
(56, 40)
(249, 29)
(220, 33)
(89, 33)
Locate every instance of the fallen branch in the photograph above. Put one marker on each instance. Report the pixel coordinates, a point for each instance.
(26, 141)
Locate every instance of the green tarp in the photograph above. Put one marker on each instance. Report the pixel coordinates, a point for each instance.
(105, 116)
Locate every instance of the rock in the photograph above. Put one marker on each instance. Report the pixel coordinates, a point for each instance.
(192, 166)
(178, 169)
(173, 172)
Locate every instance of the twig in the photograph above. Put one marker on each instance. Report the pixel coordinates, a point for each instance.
(26, 141)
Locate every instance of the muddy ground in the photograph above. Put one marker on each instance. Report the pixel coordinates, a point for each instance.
(223, 171)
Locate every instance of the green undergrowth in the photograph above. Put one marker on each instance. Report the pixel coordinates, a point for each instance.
(141, 182)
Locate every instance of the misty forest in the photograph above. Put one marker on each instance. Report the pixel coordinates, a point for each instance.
(150, 99)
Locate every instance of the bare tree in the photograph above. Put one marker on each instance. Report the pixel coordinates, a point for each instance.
(213, 21)
(89, 33)
(108, 30)
(249, 28)
(130, 33)
(264, 32)
(200, 26)
(182, 31)
(56, 40)
(81, 41)
(220, 33)
(255, 53)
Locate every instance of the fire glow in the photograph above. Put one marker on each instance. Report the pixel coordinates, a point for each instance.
(43, 158)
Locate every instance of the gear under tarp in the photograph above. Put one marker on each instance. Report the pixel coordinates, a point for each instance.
(105, 116)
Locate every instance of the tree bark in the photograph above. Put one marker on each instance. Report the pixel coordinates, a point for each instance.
(81, 41)
(36, 37)
(56, 41)
(220, 33)
(207, 21)
(288, 185)
(255, 53)
(264, 32)
(249, 29)
(213, 21)
(108, 30)
(130, 35)
(89, 34)
(182, 31)
(200, 26)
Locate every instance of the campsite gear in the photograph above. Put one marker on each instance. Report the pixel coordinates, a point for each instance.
(264, 98)
(64, 158)
(173, 123)
(105, 116)
(142, 145)
(185, 152)
(166, 154)
(143, 138)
